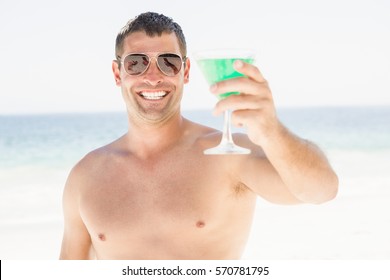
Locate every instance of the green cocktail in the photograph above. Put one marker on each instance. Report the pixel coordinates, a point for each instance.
(219, 69)
(217, 65)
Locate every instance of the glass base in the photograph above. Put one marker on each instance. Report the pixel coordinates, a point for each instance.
(227, 149)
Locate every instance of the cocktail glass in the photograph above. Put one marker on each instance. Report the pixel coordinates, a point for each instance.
(216, 66)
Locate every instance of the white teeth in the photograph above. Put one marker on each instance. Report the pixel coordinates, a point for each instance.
(155, 95)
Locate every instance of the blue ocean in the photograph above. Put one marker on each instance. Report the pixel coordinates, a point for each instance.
(62, 139)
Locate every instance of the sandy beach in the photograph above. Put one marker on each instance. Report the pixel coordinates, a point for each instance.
(354, 226)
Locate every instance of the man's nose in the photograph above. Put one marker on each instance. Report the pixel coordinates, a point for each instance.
(153, 75)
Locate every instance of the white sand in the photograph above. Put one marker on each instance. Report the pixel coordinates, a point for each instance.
(354, 226)
(39, 241)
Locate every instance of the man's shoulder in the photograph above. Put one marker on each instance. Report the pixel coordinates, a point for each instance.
(201, 131)
(93, 161)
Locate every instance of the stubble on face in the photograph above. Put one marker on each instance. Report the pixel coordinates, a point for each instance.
(152, 105)
(152, 98)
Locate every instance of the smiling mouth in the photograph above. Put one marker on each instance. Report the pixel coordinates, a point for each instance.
(153, 95)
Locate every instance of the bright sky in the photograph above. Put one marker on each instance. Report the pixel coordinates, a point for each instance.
(55, 56)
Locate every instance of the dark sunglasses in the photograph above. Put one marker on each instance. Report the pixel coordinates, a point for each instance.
(137, 63)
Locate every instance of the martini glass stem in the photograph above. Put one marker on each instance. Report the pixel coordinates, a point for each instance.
(227, 146)
(227, 128)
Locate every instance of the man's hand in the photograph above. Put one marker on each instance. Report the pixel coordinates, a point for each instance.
(253, 107)
(302, 167)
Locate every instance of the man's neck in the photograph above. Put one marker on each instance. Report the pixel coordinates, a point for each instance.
(150, 139)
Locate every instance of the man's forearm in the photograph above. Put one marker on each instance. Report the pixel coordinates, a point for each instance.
(302, 166)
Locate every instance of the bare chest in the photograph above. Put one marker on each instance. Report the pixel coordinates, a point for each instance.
(134, 196)
(180, 201)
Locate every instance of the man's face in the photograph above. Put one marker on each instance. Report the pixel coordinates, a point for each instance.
(151, 97)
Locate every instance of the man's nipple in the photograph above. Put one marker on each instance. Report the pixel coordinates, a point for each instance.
(102, 237)
(200, 224)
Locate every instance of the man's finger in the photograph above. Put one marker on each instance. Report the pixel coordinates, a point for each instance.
(242, 84)
(239, 102)
(249, 70)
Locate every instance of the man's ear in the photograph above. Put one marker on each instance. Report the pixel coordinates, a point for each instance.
(187, 71)
(117, 72)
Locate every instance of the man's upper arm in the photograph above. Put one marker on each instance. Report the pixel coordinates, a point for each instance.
(258, 174)
(76, 243)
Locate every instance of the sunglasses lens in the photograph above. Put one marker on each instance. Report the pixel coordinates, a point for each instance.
(136, 64)
(169, 64)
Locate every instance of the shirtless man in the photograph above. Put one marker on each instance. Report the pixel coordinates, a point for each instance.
(153, 194)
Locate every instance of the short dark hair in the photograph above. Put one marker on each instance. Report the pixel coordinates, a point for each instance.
(152, 24)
